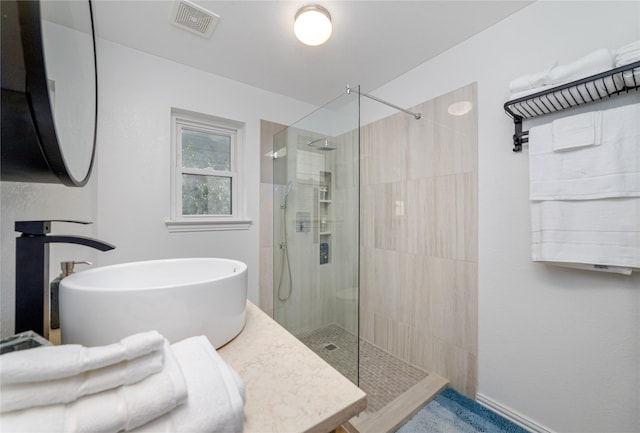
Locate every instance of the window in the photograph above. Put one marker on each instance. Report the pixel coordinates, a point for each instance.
(207, 185)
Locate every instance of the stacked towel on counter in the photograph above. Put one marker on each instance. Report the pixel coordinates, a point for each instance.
(62, 374)
(585, 190)
(205, 410)
(121, 387)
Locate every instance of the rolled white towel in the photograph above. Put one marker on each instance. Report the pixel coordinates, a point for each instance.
(591, 64)
(56, 362)
(216, 393)
(15, 396)
(530, 81)
(122, 408)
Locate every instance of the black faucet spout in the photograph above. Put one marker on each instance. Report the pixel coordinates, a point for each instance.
(79, 240)
(32, 272)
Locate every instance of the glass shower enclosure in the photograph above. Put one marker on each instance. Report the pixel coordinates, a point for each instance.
(316, 231)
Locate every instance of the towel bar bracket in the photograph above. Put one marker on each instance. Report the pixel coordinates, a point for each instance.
(519, 137)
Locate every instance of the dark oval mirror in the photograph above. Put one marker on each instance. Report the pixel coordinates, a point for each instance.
(49, 91)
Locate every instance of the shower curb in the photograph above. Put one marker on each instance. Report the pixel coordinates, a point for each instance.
(398, 411)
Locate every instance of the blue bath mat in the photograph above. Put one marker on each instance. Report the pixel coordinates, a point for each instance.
(451, 412)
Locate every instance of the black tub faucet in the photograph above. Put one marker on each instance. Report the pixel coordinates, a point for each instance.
(32, 271)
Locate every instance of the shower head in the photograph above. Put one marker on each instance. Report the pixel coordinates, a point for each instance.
(325, 146)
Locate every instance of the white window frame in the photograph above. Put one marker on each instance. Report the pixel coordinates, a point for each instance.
(183, 119)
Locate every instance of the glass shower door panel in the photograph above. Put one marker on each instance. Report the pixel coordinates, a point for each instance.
(316, 232)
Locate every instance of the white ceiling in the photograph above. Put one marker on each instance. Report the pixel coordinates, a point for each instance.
(373, 42)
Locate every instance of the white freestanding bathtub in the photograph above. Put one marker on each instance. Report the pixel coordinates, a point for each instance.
(179, 298)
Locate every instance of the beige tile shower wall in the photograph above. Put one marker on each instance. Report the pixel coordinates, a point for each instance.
(312, 303)
(419, 238)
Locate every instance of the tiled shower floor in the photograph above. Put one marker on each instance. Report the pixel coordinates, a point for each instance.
(382, 376)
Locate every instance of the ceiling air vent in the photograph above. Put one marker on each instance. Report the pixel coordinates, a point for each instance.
(193, 18)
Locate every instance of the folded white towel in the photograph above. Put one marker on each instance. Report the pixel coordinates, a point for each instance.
(15, 396)
(630, 47)
(626, 59)
(577, 131)
(216, 393)
(122, 408)
(56, 362)
(611, 169)
(603, 232)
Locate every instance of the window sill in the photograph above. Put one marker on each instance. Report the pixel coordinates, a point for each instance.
(178, 226)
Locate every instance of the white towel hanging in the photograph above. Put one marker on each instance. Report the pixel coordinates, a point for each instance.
(585, 194)
(611, 169)
(577, 131)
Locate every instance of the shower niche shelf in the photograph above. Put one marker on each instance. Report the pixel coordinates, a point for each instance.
(324, 217)
(576, 93)
(325, 187)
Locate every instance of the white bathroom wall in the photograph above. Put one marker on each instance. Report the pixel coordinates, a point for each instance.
(127, 197)
(137, 92)
(560, 347)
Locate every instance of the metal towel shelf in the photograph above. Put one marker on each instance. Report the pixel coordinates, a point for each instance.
(590, 89)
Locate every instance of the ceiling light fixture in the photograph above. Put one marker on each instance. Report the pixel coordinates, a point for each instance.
(312, 25)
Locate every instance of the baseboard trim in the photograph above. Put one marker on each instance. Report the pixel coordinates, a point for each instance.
(512, 415)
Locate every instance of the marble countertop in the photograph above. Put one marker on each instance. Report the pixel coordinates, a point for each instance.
(289, 388)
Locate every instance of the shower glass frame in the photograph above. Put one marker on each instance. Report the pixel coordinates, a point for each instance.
(316, 231)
